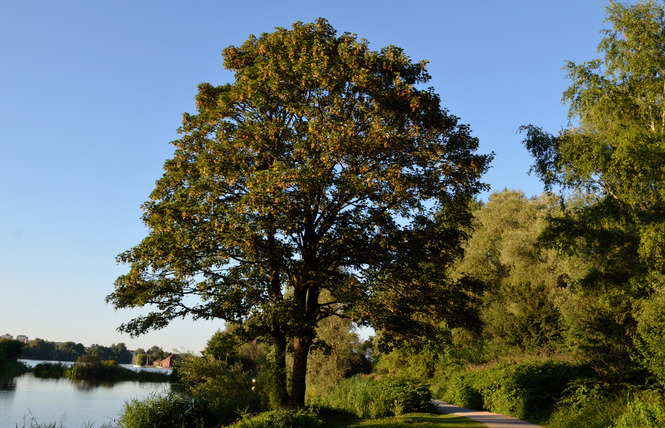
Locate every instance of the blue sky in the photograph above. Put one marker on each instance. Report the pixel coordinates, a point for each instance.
(92, 92)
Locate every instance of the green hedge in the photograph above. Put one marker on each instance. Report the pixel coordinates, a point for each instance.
(526, 390)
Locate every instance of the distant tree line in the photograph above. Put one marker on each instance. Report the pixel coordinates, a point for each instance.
(40, 349)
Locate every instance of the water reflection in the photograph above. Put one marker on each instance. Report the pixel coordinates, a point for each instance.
(7, 382)
(79, 403)
(89, 385)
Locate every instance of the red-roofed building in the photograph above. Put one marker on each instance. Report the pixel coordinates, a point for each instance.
(166, 363)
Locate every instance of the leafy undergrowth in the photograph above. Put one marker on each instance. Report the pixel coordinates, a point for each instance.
(527, 390)
(558, 394)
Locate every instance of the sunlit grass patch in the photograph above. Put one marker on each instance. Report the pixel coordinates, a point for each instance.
(417, 420)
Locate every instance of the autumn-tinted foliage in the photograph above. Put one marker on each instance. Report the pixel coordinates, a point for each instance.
(323, 166)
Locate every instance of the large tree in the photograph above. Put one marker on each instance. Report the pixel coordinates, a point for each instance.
(323, 166)
(613, 153)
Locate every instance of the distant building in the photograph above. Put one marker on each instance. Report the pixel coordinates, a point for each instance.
(22, 338)
(7, 336)
(166, 363)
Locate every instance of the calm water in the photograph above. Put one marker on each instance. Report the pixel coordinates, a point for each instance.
(74, 404)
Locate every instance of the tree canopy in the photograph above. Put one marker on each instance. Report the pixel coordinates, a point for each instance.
(324, 166)
(614, 145)
(612, 155)
(521, 280)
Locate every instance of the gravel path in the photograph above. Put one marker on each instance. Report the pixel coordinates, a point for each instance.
(492, 420)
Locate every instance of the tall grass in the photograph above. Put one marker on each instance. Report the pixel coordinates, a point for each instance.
(367, 396)
(163, 411)
(29, 421)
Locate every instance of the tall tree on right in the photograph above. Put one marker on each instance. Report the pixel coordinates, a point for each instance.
(613, 153)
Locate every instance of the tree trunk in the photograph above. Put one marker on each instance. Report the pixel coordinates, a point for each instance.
(300, 352)
(281, 393)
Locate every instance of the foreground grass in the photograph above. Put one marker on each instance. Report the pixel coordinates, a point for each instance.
(413, 420)
(417, 420)
(334, 418)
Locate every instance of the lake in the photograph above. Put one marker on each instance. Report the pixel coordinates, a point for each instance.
(72, 403)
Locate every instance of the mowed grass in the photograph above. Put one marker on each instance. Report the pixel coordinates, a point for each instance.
(408, 420)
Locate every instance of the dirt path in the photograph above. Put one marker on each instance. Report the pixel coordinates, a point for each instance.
(492, 420)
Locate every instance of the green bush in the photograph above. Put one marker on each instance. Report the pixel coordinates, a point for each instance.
(463, 394)
(651, 333)
(404, 395)
(646, 410)
(594, 413)
(389, 395)
(587, 402)
(91, 368)
(415, 363)
(580, 392)
(592, 404)
(288, 418)
(50, 370)
(209, 393)
(525, 390)
(226, 389)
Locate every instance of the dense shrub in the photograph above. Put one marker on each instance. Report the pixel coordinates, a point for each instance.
(385, 396)
(645, 410)
(651, 333)
(415, 363)
(208, 393)
(462, 393)
(288, 418)
(50, 370)
(599, 412)
(525, 390)
(91, 368)
(403, 395)
(97, 370)
(588, 402)
(224, 388)
(337, 354)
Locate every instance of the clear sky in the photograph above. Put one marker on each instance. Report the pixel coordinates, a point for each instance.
(92, 92)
